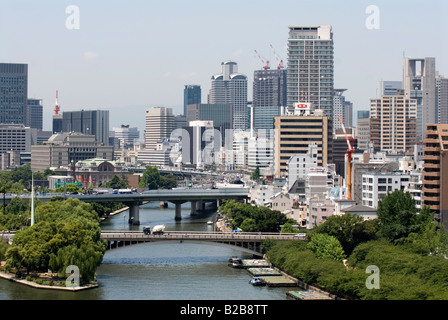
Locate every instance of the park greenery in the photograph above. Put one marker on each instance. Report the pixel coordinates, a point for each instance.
(65, 233)
(249, 218)
(409, 249)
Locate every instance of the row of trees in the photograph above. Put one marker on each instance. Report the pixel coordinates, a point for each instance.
(407, 248)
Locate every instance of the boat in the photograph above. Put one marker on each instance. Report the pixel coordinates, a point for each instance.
(257, 281)
(235, 262)
(209, 222)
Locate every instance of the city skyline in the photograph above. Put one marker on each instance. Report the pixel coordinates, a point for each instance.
(123, 56)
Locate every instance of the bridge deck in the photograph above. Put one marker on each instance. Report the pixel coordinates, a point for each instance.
(195, 235)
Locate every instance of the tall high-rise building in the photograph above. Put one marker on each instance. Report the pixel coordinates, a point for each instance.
(90, 122)
(159, 126)
(435, 170)
(219, 114)
(34, 114)
(310, 67)
(294, 134)
(397, 122)
(341, 107)
(126, 134)
(419, 83)
(442, 99)
(192, 95)
(13, 93)
(269, 96)
(231, 87)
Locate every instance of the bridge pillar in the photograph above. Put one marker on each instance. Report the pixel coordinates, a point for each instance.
(178, 214)
(134, 213)
(193, 211)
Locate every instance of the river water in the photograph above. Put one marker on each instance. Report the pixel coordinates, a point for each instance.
(165, 271)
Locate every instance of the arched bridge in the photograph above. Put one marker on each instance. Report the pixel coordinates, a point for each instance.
(246, 241)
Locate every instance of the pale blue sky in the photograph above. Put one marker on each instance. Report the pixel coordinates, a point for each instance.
(129, 55)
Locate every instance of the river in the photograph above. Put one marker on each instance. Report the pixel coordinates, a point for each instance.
(166, 271)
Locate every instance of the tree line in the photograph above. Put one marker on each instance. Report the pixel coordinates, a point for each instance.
(409, 249)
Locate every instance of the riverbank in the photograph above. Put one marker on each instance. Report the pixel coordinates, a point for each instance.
(13, 278)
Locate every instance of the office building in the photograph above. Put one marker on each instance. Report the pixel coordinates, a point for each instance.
(219, 114)
(230, 87)
(200, 144)
(294, 134)
(13, 93)
(192, 95)
(343, 108)
(299, 165)
(435, 171)
(397, 116)
(310, 76)
(388, 88)
(34, 114)
(419, 83)
(89, 122)
(64, 149)
(269, 96)
(126, 135)
(376, 186)
(442, 99)
(14, 140)
(159, 126)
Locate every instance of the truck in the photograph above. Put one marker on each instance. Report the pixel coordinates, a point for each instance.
(159, 229)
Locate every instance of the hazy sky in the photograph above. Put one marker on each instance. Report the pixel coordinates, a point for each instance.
(130, 55)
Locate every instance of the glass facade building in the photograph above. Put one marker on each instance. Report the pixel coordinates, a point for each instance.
(13, 93)
(192, 95)
(311, 67)
(269, 96)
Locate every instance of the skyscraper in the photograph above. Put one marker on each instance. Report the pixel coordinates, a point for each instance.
(269, 96)
(310, 67)
(192, 95)
(231, 87)
(419, 82)
(34, 114)
(341, 107)
(13, 93)
(397, 122)
(159, 126)
(442, 99)
(90, 122)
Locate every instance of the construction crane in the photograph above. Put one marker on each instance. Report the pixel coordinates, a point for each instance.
(266, 62)
(350, 150)
(280, 61)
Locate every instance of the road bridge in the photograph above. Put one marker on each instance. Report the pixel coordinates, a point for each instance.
(178, 196)
(246, 241)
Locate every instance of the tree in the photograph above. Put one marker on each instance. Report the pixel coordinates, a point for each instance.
(67, 232)
(324, 245)
(117, 182)
(349, 229)
(152, 179)
(256, 174)
(397, 215)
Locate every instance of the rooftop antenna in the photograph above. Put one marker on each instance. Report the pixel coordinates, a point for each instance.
(56, 105)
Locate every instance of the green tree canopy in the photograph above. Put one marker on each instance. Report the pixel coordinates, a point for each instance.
(326, 246)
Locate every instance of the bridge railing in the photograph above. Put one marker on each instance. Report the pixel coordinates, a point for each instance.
(192, 235)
